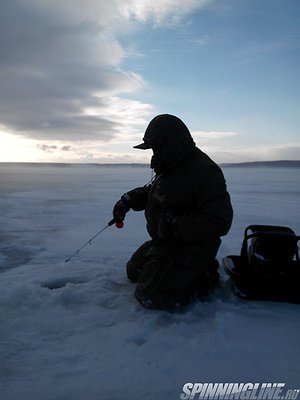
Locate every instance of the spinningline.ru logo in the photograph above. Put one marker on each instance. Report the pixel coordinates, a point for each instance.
(238, 391)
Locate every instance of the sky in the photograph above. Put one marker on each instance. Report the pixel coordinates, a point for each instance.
(80, 81)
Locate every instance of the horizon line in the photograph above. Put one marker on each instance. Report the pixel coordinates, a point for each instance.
(55, 163)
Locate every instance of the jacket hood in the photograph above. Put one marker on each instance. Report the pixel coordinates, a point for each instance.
(170, 140)
(168, 131)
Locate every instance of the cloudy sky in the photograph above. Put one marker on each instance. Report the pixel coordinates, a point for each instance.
(79, 81)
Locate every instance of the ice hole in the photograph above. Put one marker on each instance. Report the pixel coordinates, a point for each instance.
(59, 283)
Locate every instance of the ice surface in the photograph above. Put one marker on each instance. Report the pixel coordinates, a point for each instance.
(74, 330)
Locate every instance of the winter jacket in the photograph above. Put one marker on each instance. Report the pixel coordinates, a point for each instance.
(192, 198)
(189, 192)
(195, 196)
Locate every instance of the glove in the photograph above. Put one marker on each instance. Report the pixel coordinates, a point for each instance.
(135, 199)
(120, 210)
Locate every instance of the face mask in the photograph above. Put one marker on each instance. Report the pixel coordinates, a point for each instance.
(157, 164)
(163, 162)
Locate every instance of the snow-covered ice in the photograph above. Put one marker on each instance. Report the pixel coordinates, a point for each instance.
(75, 331)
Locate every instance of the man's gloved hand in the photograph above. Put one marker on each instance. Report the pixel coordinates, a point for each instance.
(120, 210)
(135, 199)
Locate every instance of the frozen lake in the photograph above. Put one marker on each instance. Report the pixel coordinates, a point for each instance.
(88, 338)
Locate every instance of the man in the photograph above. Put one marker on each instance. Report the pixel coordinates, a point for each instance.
(187, 208)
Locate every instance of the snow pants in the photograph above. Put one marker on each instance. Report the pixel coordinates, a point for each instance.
(172, 275)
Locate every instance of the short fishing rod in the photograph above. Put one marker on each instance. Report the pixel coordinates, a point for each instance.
(119, 224)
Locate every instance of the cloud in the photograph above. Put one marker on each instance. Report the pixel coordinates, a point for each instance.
(214, 140)
(66, 148)
(285, 151)
(61, 59)
(232, 154)
(46, 148)
(213, 134)
(54, 148)
(161, 10)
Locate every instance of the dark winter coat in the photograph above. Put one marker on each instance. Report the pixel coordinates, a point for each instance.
(193, 198)
(189, 192)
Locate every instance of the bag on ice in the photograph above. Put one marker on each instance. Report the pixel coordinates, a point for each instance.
(268, 267)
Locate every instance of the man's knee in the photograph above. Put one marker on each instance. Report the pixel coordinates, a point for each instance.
(176, 291)
(137, 261)
(172, 277)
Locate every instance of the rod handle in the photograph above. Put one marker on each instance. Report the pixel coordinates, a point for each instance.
(119, 224)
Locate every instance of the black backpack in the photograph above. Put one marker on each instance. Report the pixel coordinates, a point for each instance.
(268, 267)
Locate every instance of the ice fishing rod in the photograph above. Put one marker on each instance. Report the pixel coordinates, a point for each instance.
(119, 224)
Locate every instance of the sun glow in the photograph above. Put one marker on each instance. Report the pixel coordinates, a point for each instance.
(17, 149)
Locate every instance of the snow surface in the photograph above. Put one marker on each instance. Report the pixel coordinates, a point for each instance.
(75, 331)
